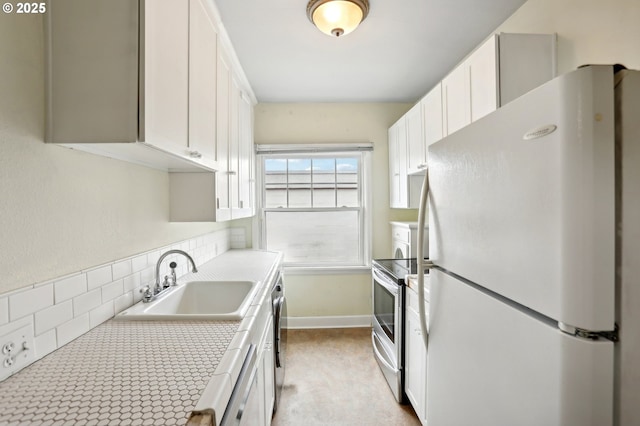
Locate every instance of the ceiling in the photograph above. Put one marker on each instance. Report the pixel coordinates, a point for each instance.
(397, 54)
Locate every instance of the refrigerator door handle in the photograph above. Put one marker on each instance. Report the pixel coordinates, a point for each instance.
(420, 255)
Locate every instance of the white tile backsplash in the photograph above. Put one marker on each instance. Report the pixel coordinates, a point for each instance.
(63, 309)
(99, 276)
(238, 240)
(113, 290)
(123, 302)
(152, 257)
(45, 343)
(14, 325)
(53, 316)
(138, 263)
(147, 275)
(86, 302)
(69, 287)
(122, 269)
(101, 314)
(72, 329)
(132, 282)
(30, 301)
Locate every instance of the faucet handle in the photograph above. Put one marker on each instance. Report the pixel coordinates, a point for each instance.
(165, 283)
(147, 295)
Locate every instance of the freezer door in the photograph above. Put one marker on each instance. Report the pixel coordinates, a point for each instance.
(523, 201)
(489, 364)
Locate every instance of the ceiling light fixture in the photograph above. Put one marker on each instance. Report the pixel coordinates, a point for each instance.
(337, 17)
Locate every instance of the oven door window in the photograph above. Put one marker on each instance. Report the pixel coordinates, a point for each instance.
(384, 309)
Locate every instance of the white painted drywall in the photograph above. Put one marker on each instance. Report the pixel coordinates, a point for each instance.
(61, 210)
(589, 31)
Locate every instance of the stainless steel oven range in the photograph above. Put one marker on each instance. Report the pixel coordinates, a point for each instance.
(388, 290)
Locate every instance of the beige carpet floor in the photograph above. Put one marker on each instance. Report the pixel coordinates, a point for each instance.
(332, 379)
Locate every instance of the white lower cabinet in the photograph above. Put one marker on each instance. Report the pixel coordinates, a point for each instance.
(415, 357)
(266, 373)
(251, 403)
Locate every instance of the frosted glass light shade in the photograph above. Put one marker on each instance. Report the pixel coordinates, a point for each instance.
(337, 17)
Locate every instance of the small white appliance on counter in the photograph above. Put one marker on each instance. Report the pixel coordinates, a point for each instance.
(404, 238)
(535, 240)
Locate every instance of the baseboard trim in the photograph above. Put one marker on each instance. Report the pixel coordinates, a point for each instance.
(352, 321)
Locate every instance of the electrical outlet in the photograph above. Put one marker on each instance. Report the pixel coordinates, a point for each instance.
(16, 351)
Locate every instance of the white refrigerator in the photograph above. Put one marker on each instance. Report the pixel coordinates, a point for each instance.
(534, 231)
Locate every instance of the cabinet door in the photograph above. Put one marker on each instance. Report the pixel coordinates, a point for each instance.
(483, 79)
(269, 373)
(403, 199)
(234, 144)
(223, 78)
(415, 359)
(432, 110)
(202, 81)
(166, 75)
(416, 160)
(245, 159)
(394, 168)
(456, 99)
(398, 186)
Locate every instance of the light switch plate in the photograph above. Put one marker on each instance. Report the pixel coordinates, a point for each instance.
(16, 351)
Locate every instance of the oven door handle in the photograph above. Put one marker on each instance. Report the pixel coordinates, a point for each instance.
(380, 357)
(385, 282)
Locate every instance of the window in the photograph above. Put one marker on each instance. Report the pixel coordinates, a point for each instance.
(314, 207)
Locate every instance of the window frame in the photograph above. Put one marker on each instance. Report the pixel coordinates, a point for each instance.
(363, 155)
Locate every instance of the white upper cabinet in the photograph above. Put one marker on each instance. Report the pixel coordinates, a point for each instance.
(456, 100)
(230, 192)
(135, 83)
(432, 116)
(165, 122)
(501, 69)
(482, 67)
(416, 160)
(234, 148)
(223, 176)
(404, 189)
(394, 167)
(246, 160)
(203, 53)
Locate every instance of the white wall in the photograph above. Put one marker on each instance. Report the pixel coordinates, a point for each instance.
(589, 31)
(309, 295)
(61, 210)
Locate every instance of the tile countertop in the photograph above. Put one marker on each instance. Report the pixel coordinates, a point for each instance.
(141, 372)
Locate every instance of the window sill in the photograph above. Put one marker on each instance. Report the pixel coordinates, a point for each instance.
(326, 270)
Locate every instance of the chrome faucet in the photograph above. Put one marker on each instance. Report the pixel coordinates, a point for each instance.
(150, 294)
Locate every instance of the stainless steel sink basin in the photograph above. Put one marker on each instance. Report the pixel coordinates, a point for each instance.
(213, 300)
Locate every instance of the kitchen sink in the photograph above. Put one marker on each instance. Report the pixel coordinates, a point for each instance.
(213, 300)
